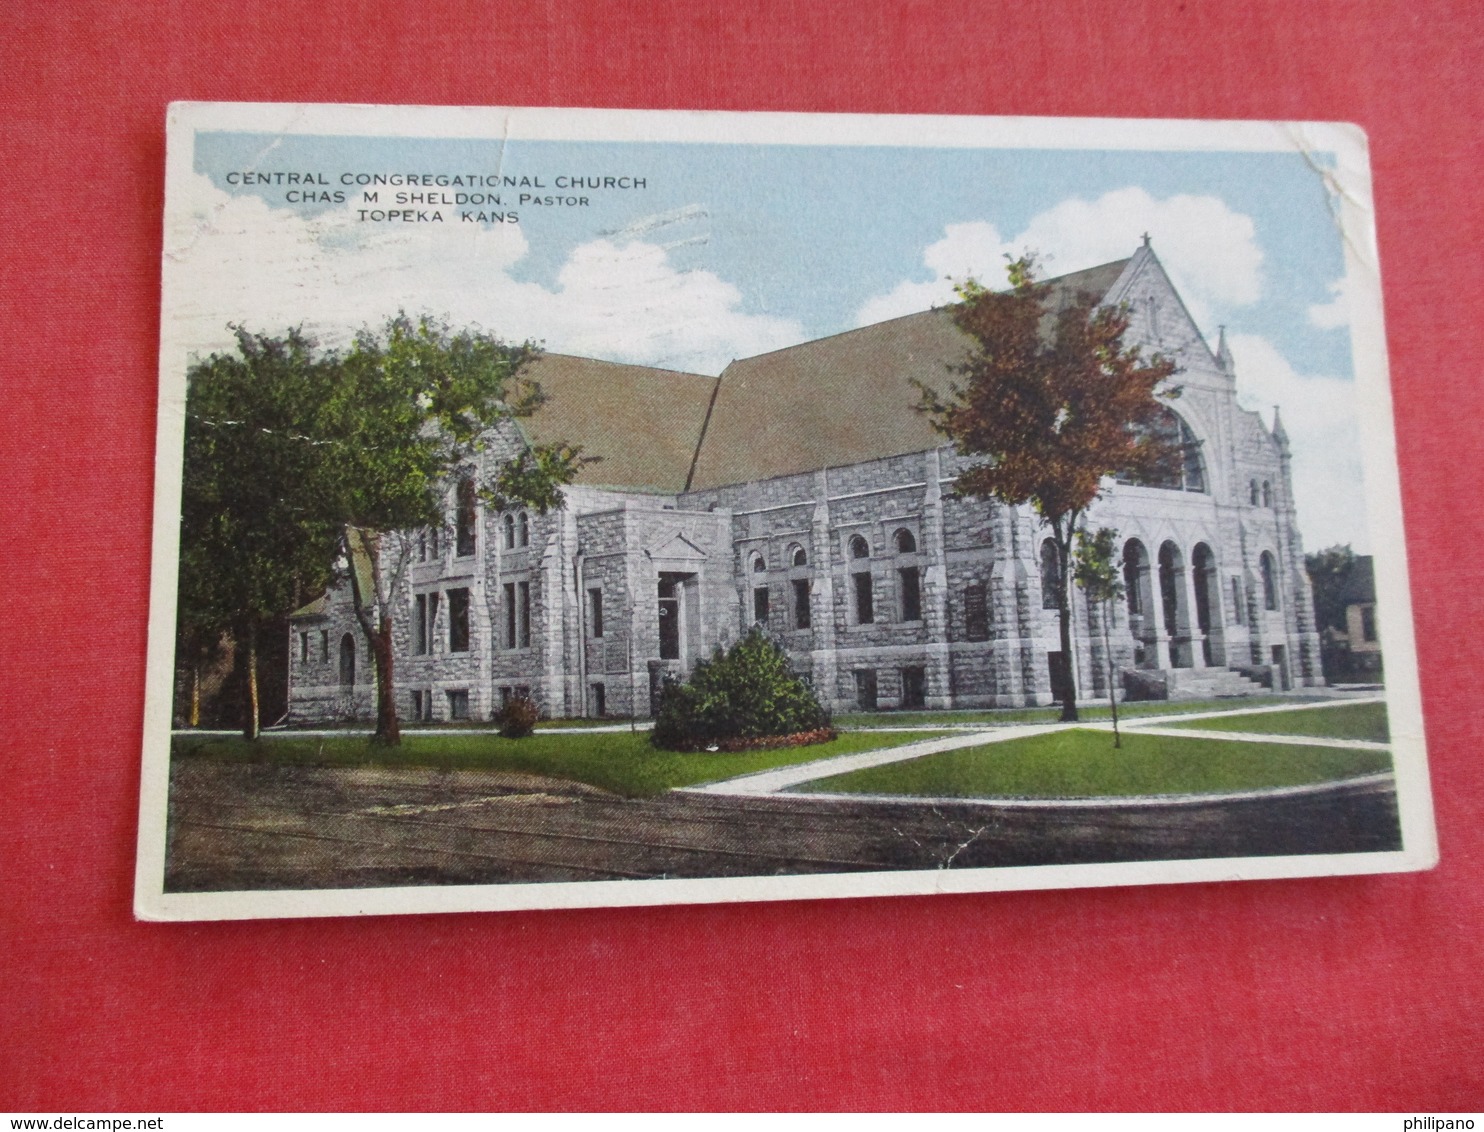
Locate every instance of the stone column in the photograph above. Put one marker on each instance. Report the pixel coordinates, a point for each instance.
(823, 658)
(1192, 621)
(935, 587)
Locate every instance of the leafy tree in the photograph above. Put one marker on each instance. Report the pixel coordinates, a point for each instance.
(303, 465)
(748, 693)
(253, 539)
(1329, 572)
(1098, 570)
(408, 417)
(1054, 402)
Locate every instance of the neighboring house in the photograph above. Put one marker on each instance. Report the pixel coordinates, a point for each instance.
(800, 490)
(1352, 655)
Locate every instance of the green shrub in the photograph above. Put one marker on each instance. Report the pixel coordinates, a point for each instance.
(738, 699)
(517, 719)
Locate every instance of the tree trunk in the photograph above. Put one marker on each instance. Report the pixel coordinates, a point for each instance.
(1108, 656)
(194, 718)
(250, 725)
(388, 730)
(1064, 615)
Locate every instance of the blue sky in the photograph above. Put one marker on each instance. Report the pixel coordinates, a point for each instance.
(810, 233)
(730, 250)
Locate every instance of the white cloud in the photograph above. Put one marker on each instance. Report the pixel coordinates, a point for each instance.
(1210, 251)
(973, 249)
(238, 260)
(1319, 416)
(1335, 313)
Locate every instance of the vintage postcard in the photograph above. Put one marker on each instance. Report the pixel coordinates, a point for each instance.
(564, 508)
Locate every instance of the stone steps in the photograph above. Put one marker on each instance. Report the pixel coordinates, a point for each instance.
(1209, 683)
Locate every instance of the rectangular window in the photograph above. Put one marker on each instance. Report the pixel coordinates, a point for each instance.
(417, 705)
(865, 611)
(976, 614)
(801, 603)
(914, 687)
(324, 645)
(464, 518)
(303, 648)
(509, 615)
(422, 551)
(909, 581)
(599, 700)
(760, 605)
(458, 699)
(1236, 601)
(420, 624)
(595, 612)
(506, 695)
(458, 622)
(1368, 622)
(865, 689)
(523, 595)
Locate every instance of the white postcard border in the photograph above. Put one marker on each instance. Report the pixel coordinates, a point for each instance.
(1351, 182)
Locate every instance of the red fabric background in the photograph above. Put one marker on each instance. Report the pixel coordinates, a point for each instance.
(1360, 992)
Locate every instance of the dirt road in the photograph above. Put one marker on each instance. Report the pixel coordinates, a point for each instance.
(238, 826)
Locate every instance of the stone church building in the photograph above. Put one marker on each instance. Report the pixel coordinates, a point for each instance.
(801, 491)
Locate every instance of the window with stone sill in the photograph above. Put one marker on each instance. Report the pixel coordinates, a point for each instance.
(465, 514)
(909, 586)
(865, 612)
(458, 620)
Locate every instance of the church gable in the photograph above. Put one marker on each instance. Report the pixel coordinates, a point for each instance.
(1159, 319)
(675, 553)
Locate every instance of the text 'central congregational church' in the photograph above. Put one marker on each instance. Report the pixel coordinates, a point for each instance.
(801, 491)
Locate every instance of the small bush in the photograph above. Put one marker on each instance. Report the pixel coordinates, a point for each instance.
(517, 719)
(737, 700)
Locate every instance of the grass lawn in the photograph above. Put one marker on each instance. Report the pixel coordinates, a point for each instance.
(617, 761)
(1090, 710)
(593, 721)
(1343, 721)
(1075, 763)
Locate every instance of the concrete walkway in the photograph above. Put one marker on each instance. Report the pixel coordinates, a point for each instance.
(785, 778)
(773, 781)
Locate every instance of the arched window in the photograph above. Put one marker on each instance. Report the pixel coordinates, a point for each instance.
(1050, 576)
(508, 523)
(798, 557)
(1187, 471)
(756, 563)
(1254, 493)
(347, 661)
(906, 544)
(525, 530)
(1267, 494)
(859, 547)
(1269, 567)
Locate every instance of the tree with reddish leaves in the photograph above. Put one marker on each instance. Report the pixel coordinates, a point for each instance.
(1054, 403)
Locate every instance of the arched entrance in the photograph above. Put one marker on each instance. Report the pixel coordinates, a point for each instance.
(1175, 617)
(1136, 587)
(1207, 604)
